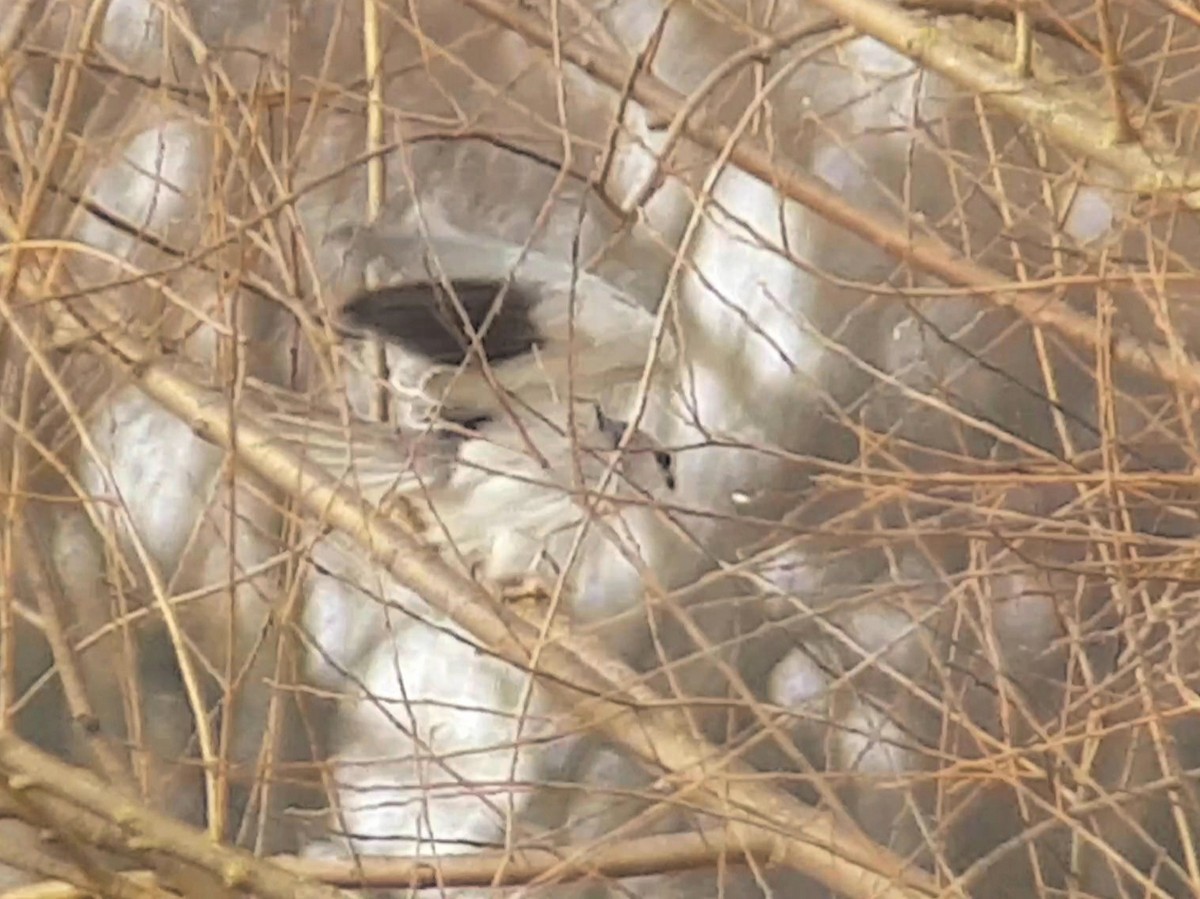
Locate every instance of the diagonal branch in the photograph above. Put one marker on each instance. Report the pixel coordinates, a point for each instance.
(48, 592)
(78, 804)
(637, 857)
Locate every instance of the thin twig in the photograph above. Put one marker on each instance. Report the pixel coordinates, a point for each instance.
(1112, 73)
(1023, 59)
(376, 181)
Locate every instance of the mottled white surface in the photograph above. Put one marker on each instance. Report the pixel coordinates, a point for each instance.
(433, 744)
(156, 183)
(866, 656)
(133, 32)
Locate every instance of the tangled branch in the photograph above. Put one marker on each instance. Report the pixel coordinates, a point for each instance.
(599, 690)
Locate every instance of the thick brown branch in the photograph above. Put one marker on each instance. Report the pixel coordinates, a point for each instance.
(21, 850)
(78, 804)
(660, 854)
(1066, 116)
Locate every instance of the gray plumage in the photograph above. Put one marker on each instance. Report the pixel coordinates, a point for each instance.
(547, 330)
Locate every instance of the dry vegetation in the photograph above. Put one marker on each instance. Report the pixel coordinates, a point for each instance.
(918, 617)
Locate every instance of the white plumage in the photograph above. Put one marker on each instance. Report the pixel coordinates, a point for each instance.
(434, 731)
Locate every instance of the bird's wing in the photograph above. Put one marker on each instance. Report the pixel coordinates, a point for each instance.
(379, 459)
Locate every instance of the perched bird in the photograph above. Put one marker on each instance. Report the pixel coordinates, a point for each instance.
(434, 738)
(473, 324)
(432, 729)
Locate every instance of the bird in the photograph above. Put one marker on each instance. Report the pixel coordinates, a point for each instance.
(473, 324)
(433, 728)
(500, 500)
(497, 482)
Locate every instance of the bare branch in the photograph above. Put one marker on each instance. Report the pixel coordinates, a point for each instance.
(48, 595)
(77, 803)
(660, 854)
(1066, 116)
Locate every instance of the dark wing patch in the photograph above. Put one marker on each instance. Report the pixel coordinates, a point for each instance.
(422, 319)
